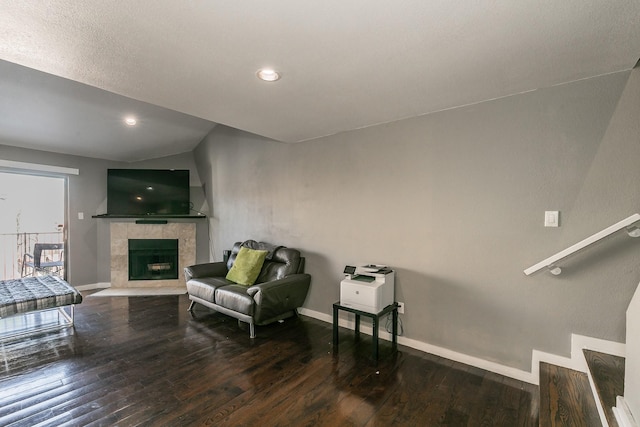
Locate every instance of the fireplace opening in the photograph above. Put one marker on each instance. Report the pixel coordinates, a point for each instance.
(153, 259)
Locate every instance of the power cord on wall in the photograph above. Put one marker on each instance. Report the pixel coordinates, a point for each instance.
(194, 210)
(389, 325)
(209, 232)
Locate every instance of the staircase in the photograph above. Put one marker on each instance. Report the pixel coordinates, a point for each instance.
(573, 398)
(564, 393)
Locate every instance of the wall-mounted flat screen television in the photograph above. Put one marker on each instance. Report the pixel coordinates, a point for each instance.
(148, 192)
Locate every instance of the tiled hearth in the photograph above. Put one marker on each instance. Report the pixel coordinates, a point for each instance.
(121, 232)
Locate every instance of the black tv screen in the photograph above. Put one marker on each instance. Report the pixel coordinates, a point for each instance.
(147, 192)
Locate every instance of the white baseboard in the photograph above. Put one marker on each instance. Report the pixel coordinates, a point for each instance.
(429, 348)
(91, 286)
(623, 413)
(576, 361)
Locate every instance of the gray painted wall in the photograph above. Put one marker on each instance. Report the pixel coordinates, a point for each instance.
(88, 249)
(455, 202)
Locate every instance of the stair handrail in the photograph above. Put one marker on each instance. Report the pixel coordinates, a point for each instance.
(549, 263)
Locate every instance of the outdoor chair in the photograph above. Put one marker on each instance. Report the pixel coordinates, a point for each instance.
(47, 258)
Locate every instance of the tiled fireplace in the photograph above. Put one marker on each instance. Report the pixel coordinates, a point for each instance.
(124, 232)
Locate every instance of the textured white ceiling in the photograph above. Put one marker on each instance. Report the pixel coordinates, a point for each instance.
(345, 64)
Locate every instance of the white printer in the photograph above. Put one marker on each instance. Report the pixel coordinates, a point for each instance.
(368, 288)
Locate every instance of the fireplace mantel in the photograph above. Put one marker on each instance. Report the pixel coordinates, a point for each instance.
(115, 216)
(121, 232)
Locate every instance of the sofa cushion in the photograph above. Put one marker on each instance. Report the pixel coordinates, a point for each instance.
(283, 262)
(205, 287)
(279, 262)
(235, 297)
(247, 266)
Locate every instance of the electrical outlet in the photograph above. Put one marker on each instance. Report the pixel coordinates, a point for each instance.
(401, 307)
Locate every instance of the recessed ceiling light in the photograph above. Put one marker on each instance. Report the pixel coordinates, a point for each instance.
(268, 74)
(130, 121)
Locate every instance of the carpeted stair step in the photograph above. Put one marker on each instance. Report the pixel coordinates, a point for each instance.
(607, 374)
(566, 398)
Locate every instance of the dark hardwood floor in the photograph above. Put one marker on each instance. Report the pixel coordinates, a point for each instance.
(145, 361)
(566, 399)
(607, 372)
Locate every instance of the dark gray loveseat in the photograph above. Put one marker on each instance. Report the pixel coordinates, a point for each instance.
(281, 286)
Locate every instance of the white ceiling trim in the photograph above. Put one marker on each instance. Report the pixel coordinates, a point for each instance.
(35, 167)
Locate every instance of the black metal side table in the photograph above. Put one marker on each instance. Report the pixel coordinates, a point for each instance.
(375, 318)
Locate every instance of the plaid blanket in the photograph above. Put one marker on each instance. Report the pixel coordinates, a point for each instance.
(35, 293)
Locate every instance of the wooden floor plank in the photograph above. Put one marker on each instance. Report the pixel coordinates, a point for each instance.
(566, 399)
(147, 361)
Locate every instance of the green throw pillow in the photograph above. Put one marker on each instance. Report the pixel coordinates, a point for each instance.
(247, 266)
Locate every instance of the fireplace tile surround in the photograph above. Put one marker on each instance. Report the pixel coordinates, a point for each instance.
(121, 232)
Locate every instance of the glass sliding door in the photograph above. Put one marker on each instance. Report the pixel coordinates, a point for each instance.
(32, 225)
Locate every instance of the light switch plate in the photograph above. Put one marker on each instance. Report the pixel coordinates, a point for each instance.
(552, 219)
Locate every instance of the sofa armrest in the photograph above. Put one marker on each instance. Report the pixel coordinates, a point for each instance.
(293, 280)
(210, 269)
(278, 296)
